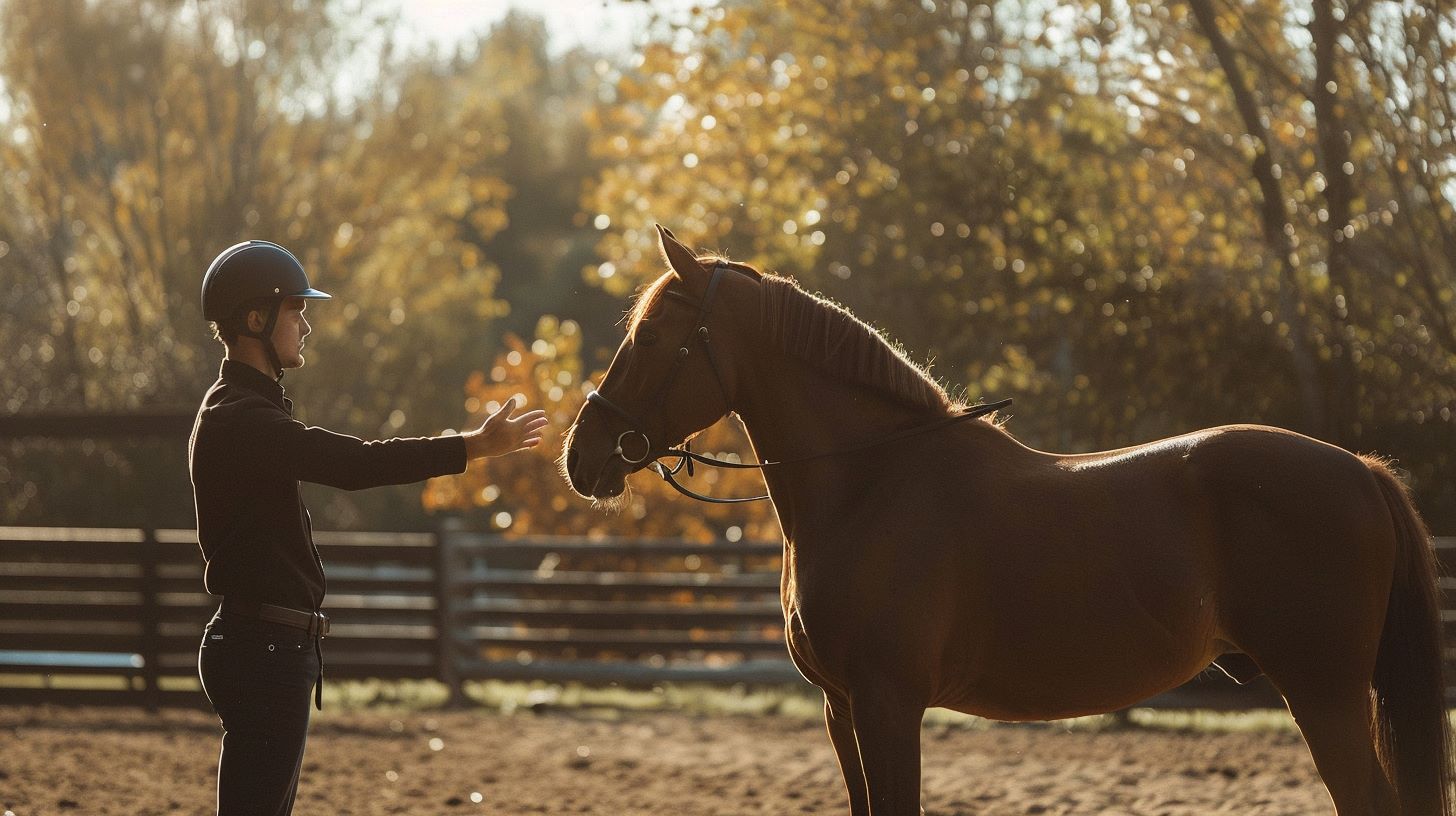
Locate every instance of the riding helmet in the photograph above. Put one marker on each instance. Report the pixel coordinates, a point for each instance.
(252, 271)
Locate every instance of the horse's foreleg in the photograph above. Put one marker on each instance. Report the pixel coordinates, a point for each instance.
(841, 733)
(887, 731)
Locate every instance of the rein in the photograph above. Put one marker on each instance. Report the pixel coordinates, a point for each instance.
(686, 457)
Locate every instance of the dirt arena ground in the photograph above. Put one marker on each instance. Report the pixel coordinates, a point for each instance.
(95, 761)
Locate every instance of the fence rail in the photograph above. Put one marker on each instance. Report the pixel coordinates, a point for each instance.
(77, 604)
(114, 615)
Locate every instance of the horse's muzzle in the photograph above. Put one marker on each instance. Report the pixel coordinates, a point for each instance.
(603, 479)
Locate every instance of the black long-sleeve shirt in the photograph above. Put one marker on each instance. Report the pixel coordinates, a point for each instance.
(248, 454)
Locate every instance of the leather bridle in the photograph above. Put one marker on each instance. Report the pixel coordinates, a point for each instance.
(685, 456)
(699, 334)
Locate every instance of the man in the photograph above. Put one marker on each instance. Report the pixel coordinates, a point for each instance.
(260, 655)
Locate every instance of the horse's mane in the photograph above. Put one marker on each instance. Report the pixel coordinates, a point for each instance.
(826, 335)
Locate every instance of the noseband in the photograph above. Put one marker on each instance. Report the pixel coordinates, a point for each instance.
(685, 456)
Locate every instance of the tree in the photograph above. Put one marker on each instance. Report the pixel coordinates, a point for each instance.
(1069, 203)
(138, 139)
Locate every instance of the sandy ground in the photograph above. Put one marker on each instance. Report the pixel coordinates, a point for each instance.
(95, 761)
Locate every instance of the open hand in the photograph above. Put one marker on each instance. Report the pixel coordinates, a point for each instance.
(502, 433)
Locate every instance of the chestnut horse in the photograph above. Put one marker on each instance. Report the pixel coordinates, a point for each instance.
(956, 567)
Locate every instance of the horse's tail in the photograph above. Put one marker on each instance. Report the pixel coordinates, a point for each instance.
(1412, 732)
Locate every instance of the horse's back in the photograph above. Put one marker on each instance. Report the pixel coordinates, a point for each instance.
(1247, 470)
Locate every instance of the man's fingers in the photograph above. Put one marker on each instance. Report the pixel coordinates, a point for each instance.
(527, 443)
(531, 421)
(503, 413)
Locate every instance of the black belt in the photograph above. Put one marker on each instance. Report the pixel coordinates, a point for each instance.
(315, 624)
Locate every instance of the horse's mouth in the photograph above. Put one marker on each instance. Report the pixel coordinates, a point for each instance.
(603, 482)
(609, 483)
(610, 492)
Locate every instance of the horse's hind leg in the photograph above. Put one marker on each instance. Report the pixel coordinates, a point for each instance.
(841, 733)
(1336, 723)
(887, 731)
(1325, 678)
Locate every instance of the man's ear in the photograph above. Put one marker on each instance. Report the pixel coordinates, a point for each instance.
(256, 320)
(682, 261)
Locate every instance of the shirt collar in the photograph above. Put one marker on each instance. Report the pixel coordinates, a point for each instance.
(245, 376)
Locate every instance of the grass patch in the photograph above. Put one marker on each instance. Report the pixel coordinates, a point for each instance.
(698, 699)
(794, 702)
(1262, 720)
(798, 702)
(606, 701)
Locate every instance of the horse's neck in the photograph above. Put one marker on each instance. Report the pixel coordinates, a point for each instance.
(801, 411)
(798, 411)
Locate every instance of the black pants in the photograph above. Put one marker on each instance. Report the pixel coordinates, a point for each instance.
(259, 677)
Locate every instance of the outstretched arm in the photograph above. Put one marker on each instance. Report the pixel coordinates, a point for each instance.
(317, 455)
(502, 433)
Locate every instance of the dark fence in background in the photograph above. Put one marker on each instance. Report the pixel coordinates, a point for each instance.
(78, 604)
(101, 616)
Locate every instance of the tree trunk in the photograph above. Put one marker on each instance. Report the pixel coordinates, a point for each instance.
(1334, 148)
(1275, 221)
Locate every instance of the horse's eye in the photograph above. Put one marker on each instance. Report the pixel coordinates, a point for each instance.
(646, 337)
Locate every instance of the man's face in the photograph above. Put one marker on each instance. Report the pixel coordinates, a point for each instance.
(289, 333)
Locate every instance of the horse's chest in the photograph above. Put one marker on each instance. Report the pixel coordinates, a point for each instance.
(827, 625)
(817, 620)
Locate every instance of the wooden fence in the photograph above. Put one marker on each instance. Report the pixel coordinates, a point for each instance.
(79, 604)
(115, 615)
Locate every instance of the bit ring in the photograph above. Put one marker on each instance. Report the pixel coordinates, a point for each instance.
(646, 448)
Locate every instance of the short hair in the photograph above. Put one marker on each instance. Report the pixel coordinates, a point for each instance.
(224, 331)
(227, 330)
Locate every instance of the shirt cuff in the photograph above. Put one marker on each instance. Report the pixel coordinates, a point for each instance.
(457, 452)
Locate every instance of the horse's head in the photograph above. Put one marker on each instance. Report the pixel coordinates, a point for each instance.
(674, 374)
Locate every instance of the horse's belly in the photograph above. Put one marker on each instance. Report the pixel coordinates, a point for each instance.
(1080, 673)
(1072, 695)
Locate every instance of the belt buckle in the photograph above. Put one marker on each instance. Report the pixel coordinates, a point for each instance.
(321, 624)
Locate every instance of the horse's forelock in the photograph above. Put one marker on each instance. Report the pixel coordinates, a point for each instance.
(645, 300)
(650, 294)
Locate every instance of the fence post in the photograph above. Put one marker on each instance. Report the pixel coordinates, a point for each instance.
(447, 653)
(151, 646)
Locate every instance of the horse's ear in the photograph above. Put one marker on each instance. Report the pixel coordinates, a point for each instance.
(683, 262)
